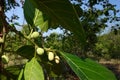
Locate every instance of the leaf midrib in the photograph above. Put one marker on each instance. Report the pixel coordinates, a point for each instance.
(82, 68)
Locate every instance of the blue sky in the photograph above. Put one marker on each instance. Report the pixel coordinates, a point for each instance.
(117, 3)
(19, 11)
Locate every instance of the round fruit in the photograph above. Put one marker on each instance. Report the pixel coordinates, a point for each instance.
(40, 51)
(34, 35)
(57, 59)
(50, 56)
(5, 59)
(1, 40)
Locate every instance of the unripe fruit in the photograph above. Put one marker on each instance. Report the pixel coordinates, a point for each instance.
(50, 56)
(40, 51)
(1, 40)
(57, 59)
(5, 59)
(34, 35)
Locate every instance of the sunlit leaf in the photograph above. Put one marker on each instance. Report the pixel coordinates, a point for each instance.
(33, 71)
(86, 69)
(21, 75)
(34, 16)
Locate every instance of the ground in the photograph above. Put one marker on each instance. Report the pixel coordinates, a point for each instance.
(113, 65)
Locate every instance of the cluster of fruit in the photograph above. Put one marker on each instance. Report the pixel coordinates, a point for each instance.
(51, 55)
(40, 51)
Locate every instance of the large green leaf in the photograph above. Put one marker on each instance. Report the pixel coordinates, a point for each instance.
(34, 16)
(26, 51)
(29, 12)
(60, 12)
(33, 71)
(86, 69)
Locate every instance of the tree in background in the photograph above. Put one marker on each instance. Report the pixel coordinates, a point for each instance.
(94, 19)
(108, 46)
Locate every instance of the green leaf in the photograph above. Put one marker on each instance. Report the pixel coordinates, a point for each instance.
(44, 26)
(39, 20)
(78, 10)
(34, 16)
(13, 70)
(53, 69)
(61, 12)
(86, 69)
(29, 12)
(26, 51)
(33, 71)
(21, 75)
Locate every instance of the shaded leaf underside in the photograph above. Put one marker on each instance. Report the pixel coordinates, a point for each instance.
(61, 12)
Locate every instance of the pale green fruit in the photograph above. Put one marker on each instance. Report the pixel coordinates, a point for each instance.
(5, 59)
(50, 56)
(34, 35)
(1, 40)
(57, 59)
(40, 51)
